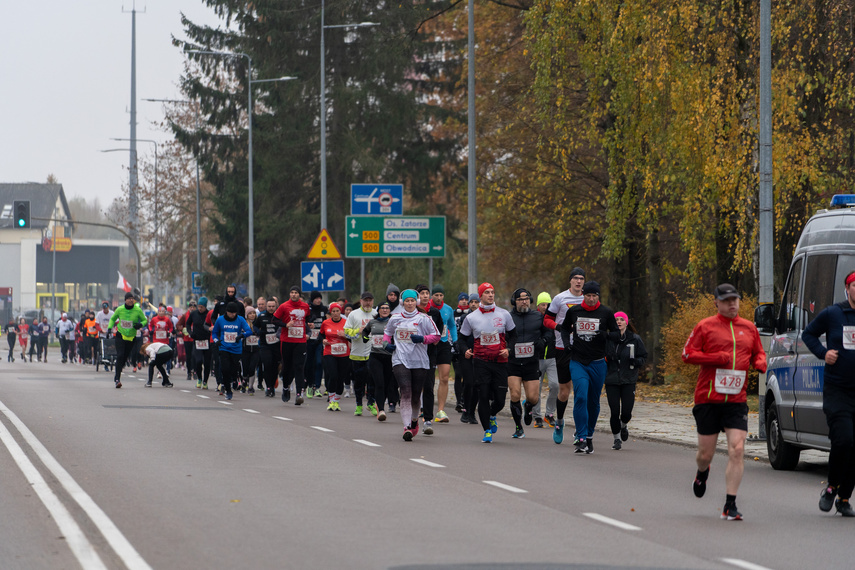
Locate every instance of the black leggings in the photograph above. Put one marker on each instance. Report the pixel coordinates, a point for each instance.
(293, 365)
(124, 351)
(336, 369)
(249, 362)
(229, 369)
(202, 360)
(363, 385)
(159, 360)
(839, 408)
(269, 365)
(621, 399)
(491, 383)
(11, 339)
(385, 385)
(427, 394)
(410, 382)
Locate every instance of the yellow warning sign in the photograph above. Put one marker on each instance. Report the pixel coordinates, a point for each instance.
(324, 248)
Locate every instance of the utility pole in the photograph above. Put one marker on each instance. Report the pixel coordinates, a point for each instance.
(472, 218)
(133, 205)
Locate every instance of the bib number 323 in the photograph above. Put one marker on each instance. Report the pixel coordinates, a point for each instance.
(729, 381)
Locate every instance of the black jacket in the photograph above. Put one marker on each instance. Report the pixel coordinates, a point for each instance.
(196, 326)
(529, 328)
(622, 368)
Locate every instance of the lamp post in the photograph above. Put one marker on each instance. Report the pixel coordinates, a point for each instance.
(133, 233)
(198, 191)
(251, 260)
(156, 218)
(324, 110)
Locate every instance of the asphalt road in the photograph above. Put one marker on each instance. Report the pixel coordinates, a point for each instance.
(165, 478)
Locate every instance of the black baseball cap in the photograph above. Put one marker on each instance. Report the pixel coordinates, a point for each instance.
(726, 291)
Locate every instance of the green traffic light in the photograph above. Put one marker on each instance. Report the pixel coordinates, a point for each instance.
(21, 223)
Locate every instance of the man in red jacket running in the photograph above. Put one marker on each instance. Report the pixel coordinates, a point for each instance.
(725, 346)
(292, 317)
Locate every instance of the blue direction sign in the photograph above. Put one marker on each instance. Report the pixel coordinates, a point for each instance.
(322, 275)
(376, 199)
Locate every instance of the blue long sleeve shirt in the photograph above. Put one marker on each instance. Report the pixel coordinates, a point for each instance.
(830, 322)
(226, 333)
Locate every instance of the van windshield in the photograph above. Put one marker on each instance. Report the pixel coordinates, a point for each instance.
(845, 264)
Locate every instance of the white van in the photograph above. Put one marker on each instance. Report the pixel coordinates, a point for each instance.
(824, 255)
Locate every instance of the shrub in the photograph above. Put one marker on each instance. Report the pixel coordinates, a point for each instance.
(679, 376)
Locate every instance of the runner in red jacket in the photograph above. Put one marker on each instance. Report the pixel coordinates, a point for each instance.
(292, 316)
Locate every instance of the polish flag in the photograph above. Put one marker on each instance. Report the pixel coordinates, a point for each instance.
(123, 284)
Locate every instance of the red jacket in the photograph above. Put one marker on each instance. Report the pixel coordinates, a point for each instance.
(294, 316)
(160, 328)
(719, 343)
(333, 332)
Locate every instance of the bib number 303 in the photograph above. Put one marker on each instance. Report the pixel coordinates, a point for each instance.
(729, 381)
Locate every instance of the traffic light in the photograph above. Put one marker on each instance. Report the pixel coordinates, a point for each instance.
(21, 209)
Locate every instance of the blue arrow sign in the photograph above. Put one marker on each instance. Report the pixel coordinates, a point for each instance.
(376, 199)
(322, 275)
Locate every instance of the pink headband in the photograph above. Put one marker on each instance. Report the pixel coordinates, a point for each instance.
(622, 315)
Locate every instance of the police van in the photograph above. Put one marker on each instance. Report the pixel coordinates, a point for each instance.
(824, 255)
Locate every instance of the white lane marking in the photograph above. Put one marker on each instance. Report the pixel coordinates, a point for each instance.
(426, 462)
(368, 443)
(613, 522)
(225, 403)
(112, 534)
(283, 419)
(73, 535)
(250, 411)
(319, 428)
(505, 487)
(203, 396)
(743, 564)
(186, 391)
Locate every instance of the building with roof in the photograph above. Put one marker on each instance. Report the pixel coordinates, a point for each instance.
(85, 271)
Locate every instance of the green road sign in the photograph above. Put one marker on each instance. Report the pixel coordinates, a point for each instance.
(395, 236)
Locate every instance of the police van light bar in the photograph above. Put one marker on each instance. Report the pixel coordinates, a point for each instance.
(841, 200)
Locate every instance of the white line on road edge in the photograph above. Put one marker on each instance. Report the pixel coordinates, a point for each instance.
(186, 391)
(743, 564)
(613, 522)
(250, 411)
(426, 462)
(283, 419)
(319, 428)
(505, 487)
(112, 534)
(73, 535)
(368, 443)
(203, 396)
(225, 403)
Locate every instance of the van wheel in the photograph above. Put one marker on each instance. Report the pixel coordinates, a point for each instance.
(782, 455)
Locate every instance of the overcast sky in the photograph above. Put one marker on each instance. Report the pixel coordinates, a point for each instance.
(65, 84)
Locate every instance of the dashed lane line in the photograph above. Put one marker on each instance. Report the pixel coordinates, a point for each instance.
(613, 522)
(743, 564)
(283, 419)
(368, 443)
(323, 429)
(510, 488)
(426, 462)
(247, 410)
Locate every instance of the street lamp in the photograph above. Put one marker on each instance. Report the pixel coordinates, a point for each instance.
(324, 111)
(198, 191)
(156, 219)
(251, 261)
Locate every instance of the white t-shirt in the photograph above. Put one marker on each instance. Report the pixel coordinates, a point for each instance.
(400, 327)
(559, 305)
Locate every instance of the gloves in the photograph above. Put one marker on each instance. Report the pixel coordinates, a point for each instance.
(417, 338)
(137, 325)
(389, 347)
(184, 331)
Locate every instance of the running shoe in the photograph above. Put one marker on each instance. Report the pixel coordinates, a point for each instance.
(310, 393)
(550, 420)
(488, 437)
(519, 433)
(538, 422)
(458, 408)
(590, 449)
(494, 427)
(298, 400)
(372, 407)
(118, 383)
(472, 419)
(331, 406)
(843, 507)
(700, 487)
(229, 396)
(414, 427)
(408, 435)
(167, 384)
(198, 384)
(381, 416)
(826, 499)
(286, 395)
(464, 417)
(616, 445)
(391, 408)
(527, 417)
(250, 390)
(441, 417)
(221, 389)
(337, 407)
(204, 385)
(581, 446)
(558, 434)
(730, 513)
(428, 428)
(148, 384)
(358, 411)
(624, 433)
